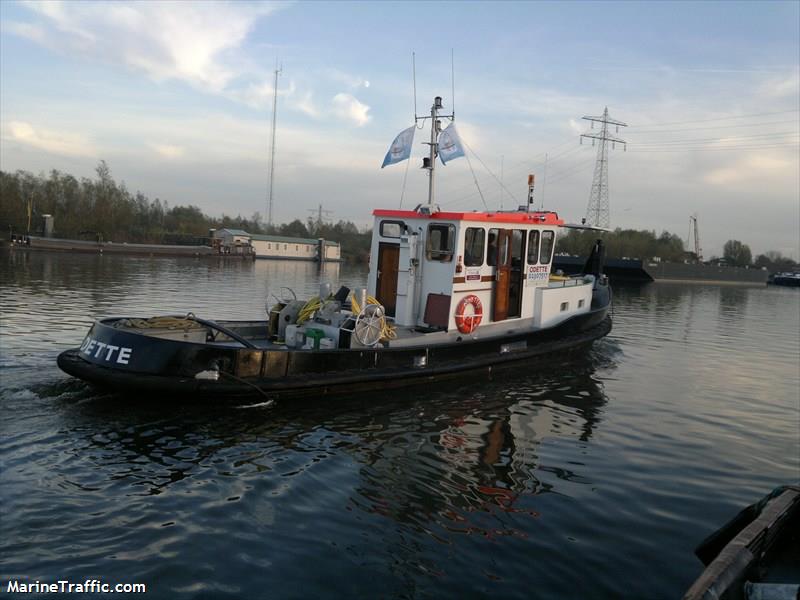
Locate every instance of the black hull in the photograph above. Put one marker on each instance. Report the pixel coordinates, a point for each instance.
(248, 373)
(786, 281)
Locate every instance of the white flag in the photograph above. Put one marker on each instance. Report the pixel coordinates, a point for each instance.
(400, 148)
(449, 144)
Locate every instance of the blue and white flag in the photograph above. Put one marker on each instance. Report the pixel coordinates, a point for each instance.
(449, 144)
(400, 148)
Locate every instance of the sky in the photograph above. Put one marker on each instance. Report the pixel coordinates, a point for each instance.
(177, 98)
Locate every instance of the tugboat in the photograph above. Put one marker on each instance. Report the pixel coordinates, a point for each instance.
(449, 294)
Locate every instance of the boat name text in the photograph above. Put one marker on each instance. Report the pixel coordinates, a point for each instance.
(540, 272)
(91, 347)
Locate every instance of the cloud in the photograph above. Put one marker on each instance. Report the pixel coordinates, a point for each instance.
(259, 95)
(348, 108)
(29, 31)
(352, 81)
(67, 144)
(192, 42)
(782, 87)
(305, 104)
(168, 150)
(750, 168)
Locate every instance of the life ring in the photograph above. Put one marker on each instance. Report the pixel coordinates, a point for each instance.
(468, 323)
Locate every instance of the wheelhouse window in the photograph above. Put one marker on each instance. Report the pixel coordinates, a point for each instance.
(546, 251)
(473, 246)
(533, 247)
(517, 246)
(392, 229)
(491, 250)
(441, 242)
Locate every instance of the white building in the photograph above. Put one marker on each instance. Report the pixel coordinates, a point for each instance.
(291, 248)
(236, 241)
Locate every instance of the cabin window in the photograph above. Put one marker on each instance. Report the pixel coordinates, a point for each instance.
(441, 242)
(546, 252)
(491, 250)
(517, 247)
(533, 247)
(564, 306)
(392, 229)
(285, 246)
(473, 246)
(581, 302)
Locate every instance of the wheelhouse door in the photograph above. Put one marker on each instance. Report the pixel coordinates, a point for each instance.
(502, 280)
(388, 263)
(516, 284)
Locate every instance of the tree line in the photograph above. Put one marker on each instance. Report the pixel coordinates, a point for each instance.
(103, 209)
(643, 244)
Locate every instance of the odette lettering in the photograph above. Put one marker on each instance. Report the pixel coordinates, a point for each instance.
(107, 352)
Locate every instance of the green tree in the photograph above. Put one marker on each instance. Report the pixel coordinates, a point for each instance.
(736, 253)
(294, 229)
(774, 261)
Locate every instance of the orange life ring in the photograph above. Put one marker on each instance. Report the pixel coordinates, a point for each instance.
(468, 323)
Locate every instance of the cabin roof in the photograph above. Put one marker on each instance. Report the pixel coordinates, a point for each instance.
(530, 218)
(289, 240)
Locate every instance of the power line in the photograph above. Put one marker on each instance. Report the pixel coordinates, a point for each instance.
(754, 137)
(716, 148)
(747, 116)
(762, 124)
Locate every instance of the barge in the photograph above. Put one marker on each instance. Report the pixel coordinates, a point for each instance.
(449, 294)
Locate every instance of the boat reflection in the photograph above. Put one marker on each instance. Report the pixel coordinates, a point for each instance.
(452, 461)
(481, 456)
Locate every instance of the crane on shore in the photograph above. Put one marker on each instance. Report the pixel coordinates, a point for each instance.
(698, 251)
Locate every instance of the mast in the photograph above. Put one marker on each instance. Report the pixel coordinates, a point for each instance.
(429, 162)
(272, 148)
(435, 128)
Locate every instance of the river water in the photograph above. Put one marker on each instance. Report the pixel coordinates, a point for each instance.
(591, 479)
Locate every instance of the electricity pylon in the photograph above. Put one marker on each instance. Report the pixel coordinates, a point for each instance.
(598, 213)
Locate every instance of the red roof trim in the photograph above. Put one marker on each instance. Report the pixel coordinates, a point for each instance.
(532, 218)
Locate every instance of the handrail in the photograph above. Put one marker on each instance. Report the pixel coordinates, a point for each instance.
(234, 336)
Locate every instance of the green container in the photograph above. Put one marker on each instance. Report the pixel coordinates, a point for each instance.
(316, 335)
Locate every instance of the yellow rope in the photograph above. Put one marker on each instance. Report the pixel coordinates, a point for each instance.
(308, 310)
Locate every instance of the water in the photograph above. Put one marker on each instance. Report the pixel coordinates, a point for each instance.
(595, 479)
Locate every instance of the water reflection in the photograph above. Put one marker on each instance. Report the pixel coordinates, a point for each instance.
(458, 462)
(477, 454)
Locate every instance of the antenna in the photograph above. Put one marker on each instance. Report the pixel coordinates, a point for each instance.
(544, 183)
(452, 84)
(272, 148)
(502, 160)
(414, 78)
(598, 212)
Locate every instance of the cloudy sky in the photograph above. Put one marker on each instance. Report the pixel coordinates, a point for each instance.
(177, 98)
